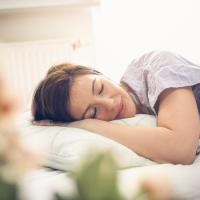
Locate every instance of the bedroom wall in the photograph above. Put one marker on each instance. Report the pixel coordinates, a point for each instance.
(23, 31)
(45, 23)
(125, 29)
(111, 34)
(73, 23)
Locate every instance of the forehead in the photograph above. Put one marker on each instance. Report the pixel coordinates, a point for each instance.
(83, 81)
(80, 94)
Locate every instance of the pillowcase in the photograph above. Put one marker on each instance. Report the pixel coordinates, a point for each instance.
(65, 147)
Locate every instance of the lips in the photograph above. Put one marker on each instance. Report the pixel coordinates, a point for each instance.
(120, 110)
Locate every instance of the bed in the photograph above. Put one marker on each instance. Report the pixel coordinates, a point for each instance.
(63, 148)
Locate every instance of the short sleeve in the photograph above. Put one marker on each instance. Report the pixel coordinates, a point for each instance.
(156, 71)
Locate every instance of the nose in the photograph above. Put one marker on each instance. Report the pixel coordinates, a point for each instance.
(108, 103)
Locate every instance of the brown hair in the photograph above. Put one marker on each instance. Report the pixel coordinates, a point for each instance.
(52, 96)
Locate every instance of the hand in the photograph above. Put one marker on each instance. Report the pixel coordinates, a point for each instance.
(47, 122)
(76, 124)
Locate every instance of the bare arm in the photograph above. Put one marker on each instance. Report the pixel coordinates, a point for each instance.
(175, 139)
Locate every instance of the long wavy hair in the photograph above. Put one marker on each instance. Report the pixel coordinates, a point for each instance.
(52, 95)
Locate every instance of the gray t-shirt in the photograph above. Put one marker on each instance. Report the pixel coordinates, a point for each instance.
(156, 71)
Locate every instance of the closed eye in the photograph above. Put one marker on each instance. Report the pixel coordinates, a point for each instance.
(95, 112)
(102, 88)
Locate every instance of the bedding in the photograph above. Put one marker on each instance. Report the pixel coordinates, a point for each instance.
(183, 181)
(64, 148)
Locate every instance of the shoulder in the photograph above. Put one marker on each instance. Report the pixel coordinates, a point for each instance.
(150, 62)
(155, 57)
(161, 56)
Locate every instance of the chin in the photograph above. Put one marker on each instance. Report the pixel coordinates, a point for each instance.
(132, 114)
(126, 116)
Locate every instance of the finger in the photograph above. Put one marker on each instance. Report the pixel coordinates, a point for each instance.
(43, 123)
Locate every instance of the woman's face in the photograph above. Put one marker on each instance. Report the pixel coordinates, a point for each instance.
(95, 96)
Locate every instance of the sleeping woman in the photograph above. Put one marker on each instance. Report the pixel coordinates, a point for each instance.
(158, 83)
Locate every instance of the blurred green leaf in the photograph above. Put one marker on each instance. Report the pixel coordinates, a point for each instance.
(8, 191)
(60, 197)
(97, 179)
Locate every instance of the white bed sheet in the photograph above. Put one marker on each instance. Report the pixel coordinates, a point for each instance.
(184, 181)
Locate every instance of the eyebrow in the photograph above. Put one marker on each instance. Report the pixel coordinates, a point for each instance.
(93, 88)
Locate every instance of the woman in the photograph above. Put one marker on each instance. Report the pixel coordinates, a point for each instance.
(159, 83)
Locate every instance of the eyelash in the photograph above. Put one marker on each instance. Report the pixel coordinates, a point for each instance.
(95, 112)
(95, 109)
(102, 88)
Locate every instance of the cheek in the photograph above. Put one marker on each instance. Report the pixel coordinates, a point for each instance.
(77, 103)
(133, 109)
(130, 108)
(101, 114)
(105, 115)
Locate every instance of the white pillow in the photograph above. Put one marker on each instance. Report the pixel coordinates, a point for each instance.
(65, 147)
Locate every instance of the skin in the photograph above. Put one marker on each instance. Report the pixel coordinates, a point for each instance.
(173, 140)
(95, 96)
